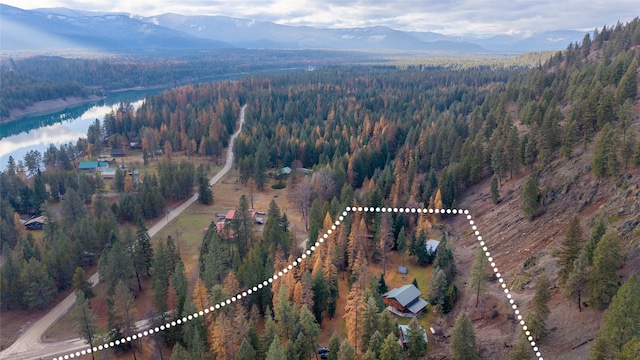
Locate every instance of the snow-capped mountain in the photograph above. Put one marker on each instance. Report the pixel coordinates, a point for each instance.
(62, 28)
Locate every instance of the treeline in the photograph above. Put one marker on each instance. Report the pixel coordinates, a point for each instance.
(419, 130)
(131, 70)
(20, 90)
(194, 119)
(36, 270)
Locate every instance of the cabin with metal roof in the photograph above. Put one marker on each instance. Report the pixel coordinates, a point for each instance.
(404, 301)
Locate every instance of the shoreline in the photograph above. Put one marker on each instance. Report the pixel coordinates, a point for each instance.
(48, 106)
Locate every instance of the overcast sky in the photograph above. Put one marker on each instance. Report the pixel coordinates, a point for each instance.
(443, 16)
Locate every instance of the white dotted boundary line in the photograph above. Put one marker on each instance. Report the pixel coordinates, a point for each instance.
(304, 256)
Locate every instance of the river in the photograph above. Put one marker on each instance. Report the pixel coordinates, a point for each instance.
(37, 132)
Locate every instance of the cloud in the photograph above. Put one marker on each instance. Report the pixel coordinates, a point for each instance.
(445, 16)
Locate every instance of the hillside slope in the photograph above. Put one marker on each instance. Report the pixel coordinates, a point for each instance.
(516, 242)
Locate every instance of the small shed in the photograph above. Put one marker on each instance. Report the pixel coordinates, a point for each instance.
(36, 223)
(402, 270)
(109, 173)
(117, 152)
(284, 171)
(432, 245)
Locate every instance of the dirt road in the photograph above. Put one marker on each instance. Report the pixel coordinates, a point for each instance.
(30, 346)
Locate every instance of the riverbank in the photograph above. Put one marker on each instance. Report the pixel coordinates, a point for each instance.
(48, 106)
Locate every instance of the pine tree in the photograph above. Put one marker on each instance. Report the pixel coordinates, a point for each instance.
(334, 346)
(416, 342)
(479, 274)
(630, 350)
(144, 251)
(285, 313)
(577, 281)
(368, 321)
(570, 248)
(134, 254)
(85, 319)
(391, 350)
(463, 339)
(444, 259)
(521, 350)
(180, 284)
(205, 195)
(385, 240)
(161, 275)
(115, 265)
(246, 351)
(179, 353)
(369, 355)
(375, 343)
(628, 86)
(438, 289)
(401, 242)
(276, 351)
(193, 333)
(531, 198)
(310, 330)
(321, 293)
(495, 192)
(605, 161)
(269, 333)
(37, 286)
(603, 278)
(80, 283)
(124, 313)
(599, 229)
(537, 317)
(620, 323)
(346, 351)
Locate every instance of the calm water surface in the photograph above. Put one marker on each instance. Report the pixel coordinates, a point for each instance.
(38, 132)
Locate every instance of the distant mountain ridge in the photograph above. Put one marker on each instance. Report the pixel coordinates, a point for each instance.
(63, 28)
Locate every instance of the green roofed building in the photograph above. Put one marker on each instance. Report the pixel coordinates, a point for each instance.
(93, 165)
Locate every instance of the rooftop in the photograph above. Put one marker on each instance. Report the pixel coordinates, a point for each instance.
(432, 245)
(404, 294)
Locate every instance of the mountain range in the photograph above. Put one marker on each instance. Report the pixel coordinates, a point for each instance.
(63, 28)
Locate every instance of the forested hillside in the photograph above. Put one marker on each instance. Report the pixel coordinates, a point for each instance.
(378, 136)
(29, 79)
(19, 90)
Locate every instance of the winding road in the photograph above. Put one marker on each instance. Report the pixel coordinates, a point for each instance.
(30, 346)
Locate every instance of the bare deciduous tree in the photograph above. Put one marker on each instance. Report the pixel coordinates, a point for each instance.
(302, 196)
(324, 184)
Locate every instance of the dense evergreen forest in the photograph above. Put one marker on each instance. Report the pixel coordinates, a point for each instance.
(19, 90)
(375, 136)
(35, 78)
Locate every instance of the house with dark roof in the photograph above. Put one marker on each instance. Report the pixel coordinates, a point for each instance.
(36, 223)
(404, 301)
(403, 335)
(117, 152)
